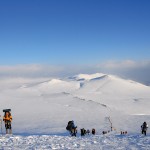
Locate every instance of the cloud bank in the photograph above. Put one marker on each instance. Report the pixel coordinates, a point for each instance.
(134, 70)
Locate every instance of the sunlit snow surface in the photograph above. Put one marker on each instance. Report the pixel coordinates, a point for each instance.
(44, 106)
(97, 142)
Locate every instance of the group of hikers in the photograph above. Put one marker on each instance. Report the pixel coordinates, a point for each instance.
(73, 129)
(7, 118)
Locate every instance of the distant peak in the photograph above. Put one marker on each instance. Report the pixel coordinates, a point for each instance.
(55, 81)
(80, 77)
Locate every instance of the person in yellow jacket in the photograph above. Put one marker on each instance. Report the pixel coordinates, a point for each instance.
(7, 119)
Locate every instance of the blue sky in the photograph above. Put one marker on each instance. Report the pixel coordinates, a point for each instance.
(73, 31)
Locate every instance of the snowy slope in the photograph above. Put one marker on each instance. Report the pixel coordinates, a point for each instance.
(44, 106)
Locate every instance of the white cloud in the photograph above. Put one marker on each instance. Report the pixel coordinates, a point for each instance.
(33, 70)
(135, 70)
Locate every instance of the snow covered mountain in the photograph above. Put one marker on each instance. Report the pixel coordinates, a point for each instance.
(44, 106)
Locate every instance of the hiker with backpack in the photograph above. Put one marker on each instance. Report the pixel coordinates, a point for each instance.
(88, 131)
(72, 128)
(93, 131)
(7, 120)
(83, 132)
(144, 128)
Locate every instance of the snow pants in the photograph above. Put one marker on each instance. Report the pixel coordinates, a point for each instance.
(144, 132)
(8, 127)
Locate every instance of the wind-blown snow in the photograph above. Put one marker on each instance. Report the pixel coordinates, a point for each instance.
(97, 142)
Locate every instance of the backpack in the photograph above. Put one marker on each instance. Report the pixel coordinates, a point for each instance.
(145, 126)
(69, 125)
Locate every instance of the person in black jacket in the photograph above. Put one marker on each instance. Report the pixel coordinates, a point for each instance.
(72, 128)
(144, 128)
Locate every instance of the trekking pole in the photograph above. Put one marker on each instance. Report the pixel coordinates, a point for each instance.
(1, 126)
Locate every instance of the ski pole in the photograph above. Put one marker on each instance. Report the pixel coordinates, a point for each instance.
(1, 126)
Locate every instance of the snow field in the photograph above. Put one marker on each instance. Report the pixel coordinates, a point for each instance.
(99, 142)
(44, 106)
